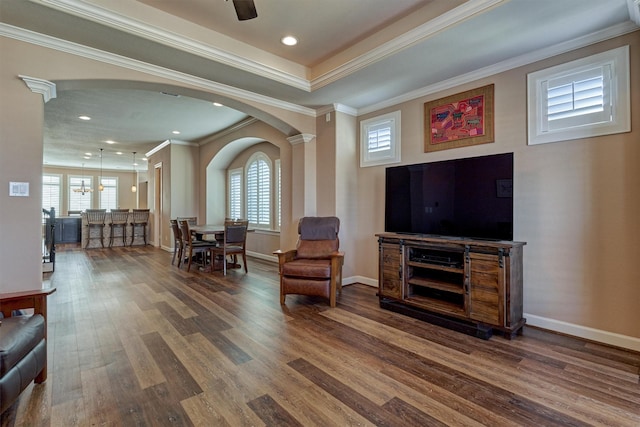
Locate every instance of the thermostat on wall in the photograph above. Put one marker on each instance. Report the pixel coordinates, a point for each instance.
(19, 189)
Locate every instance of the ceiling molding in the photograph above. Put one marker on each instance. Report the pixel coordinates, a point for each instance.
(162, 36)
(418, 34)
(44, 87)
(531, 57)
(634, 10)
(301, 138)
(76, 49)
(231, 129)
(167, 38)
(157, 148)
(341, 108)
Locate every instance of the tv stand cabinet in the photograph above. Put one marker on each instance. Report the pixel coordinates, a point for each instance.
(474, 286)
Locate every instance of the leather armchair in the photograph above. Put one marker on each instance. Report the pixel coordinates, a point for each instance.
(315, 266)
(23, 344)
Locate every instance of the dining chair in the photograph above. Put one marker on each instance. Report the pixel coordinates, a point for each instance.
(140, 219)
(178, 245)
(95, 221)
(233, 242)
(192, 220)
(191, 247)
(119, 219)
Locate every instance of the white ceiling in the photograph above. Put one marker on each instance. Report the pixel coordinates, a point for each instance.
(362, 54)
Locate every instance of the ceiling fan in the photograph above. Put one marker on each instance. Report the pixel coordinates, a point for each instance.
(245, 9)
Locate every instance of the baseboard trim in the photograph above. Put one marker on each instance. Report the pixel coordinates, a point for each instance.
(605, 337)
(360, 279)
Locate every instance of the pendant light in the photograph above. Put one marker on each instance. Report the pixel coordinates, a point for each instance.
(101, 187)
(83, 189)
(133, 186)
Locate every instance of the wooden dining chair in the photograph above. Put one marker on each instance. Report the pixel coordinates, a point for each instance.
(178, 245)
(233, 242)
(191, 247)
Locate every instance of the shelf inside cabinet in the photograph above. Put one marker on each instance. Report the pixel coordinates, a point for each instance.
(455, 288)
(450, 268)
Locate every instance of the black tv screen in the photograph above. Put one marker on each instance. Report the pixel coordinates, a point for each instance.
(471, 197)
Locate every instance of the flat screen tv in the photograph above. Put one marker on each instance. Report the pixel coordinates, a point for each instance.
(470, 197)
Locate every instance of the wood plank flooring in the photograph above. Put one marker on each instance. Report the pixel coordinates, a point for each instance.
(134, 341)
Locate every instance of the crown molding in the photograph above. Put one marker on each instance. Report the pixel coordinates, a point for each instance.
(340, 108)
(157, 148)
(300, 138)
(161, 35)
(44, 87)
(509, 64)
(418, 34)
(230, 130)
(634, 10)
(76, 49)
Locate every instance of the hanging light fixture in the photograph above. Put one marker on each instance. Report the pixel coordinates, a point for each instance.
(101, 187)
(133, 186)
(82, 189)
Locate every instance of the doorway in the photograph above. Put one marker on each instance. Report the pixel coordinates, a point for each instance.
(157, 203)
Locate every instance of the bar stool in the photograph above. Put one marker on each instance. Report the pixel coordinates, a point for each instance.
(139, 218)
(95, 220)
(119, 221)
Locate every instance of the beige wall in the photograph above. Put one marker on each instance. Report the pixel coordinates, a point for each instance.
(576, 205)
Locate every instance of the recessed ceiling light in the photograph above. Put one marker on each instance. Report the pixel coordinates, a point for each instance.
(86, 157)
(176, 132)
(217, 104)
(84, 117)
(87, 154)
(119, 153)
(289, 40)
(145, 159)
(108, 141)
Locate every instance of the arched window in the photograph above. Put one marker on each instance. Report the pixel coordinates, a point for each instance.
(258, 179)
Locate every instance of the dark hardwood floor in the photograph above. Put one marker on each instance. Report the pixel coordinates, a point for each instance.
(134, 341)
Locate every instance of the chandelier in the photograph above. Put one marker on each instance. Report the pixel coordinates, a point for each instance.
(82, 189)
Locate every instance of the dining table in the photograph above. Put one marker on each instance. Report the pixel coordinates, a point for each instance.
(201, 230)
(216, 230)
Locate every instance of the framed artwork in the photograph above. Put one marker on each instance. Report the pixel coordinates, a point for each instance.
(459, 120)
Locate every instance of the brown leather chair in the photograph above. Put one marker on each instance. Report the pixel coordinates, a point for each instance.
(23, 342)
(315, 266)
(233, 242)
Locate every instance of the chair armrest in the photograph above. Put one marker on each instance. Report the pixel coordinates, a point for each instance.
(285, 256)
(35, 299)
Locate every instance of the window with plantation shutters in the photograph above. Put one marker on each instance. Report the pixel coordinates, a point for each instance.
(259, 190)
(109, 196)
(583, 98)
(380, 140)
(52, 192)
(577, 99)
(235, 193)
